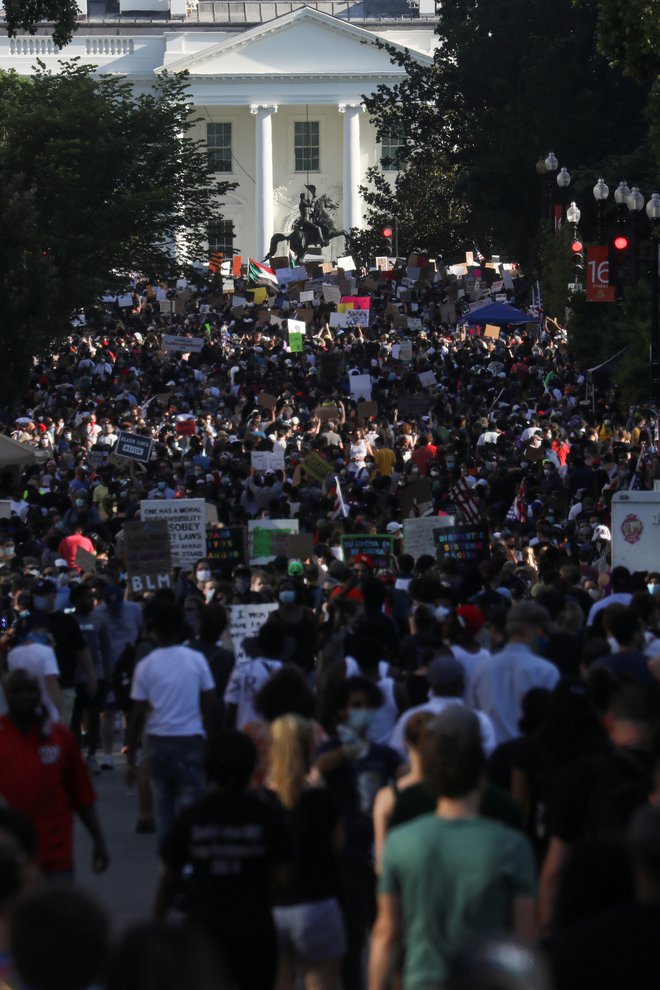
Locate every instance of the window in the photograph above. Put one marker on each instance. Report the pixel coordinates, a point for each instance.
(218, 141)
(306, 146)
(221, 238)
(391, 143)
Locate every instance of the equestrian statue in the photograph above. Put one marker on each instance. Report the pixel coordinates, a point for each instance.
(314, 227)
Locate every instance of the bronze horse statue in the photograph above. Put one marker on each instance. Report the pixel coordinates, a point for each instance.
(314, 228)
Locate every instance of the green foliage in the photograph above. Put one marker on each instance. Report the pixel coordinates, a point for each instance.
(26, 15)
(114, 182)
(597, 331)
(510, 78)
(556, 263)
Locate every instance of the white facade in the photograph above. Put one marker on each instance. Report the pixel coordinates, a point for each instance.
(297, 77)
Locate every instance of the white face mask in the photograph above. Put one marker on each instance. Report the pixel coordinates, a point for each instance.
(203, 574)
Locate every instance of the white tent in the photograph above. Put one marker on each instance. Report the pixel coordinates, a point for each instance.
(12, 452)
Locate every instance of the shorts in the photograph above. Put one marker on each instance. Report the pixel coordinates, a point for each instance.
(312, 932)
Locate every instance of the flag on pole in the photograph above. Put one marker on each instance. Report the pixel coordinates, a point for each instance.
(476, 253)
(261, 275)
(340, 505)
(463, 498)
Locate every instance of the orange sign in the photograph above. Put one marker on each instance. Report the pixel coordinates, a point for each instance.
(598, 274)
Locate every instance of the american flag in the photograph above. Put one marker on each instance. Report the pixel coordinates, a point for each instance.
(463, 498)
(637, 480)
(536, 307)
(339, 508)
(518, 510)
(476, 253)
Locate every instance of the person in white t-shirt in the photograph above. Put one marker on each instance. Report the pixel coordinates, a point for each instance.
(174, 699)
(34, 652)
(249, 676)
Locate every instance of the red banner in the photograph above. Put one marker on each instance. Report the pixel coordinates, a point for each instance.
(598, 274)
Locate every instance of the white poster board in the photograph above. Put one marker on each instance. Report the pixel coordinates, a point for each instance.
(418, 534)
(186, 522)
(260, 537)
(188, 345)
(245, 621)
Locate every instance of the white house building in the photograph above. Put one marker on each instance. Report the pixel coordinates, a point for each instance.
(277, 88)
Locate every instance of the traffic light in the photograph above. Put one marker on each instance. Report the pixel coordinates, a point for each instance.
(577, 251)
(622, 258)
(387, 233)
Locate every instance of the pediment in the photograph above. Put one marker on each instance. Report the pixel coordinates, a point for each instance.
(305, 42)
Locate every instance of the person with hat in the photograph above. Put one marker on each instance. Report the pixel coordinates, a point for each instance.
(446, 679)
(450, 877)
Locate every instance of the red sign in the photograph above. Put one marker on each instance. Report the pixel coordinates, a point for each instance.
(186, 427)
(598, 274)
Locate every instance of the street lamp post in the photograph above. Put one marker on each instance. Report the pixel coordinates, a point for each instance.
(563, 181)
(601, 192)
(573, 215)
(551, 166)
(653, 213)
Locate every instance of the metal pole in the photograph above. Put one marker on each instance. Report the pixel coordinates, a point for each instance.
(655, 322)
(396, 236)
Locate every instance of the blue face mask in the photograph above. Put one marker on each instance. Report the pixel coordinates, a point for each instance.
(359, 719)
(653, 589)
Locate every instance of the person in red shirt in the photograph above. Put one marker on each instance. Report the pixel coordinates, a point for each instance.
(42, 774)
(423, 454)
(68, 547)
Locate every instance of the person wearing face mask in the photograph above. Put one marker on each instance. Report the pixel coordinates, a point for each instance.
(354, 770)
(248, 677)
(80, 512)
(299, 624)
(161, 490)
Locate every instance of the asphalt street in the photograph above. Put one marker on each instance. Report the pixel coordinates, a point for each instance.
(126, 889)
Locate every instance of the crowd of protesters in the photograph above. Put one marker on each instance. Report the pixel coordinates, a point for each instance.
(435, 773)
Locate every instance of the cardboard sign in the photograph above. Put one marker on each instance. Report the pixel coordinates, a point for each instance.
(186, 521)
(377, 547)
(245, 621)
(86, 561)
(418, 534)
(416, 497)
(225, 546)
(316, 467)
(325, 413)
(188, 345)
(331, 293)
(367, 409)
(297, 546)
(268, 460)
(406, 350)
(338, 319)
(133, 446)
(147, 555)
(260, 537)
(465, 543)
(492, 331)
(427, 379)
(266, 401)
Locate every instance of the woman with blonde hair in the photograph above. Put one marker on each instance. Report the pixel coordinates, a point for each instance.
(308, 918)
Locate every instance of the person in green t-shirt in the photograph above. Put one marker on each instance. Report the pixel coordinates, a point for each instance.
(453, 876)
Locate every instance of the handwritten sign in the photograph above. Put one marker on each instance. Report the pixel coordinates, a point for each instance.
(186, 521)
(378, 547)
(418, 534)
(225, 546)
(245, 621)
(316, 467)
(147, 555)
(260, 537)
(268, 460)
(465, 543)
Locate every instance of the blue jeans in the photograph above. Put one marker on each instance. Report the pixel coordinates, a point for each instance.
(176, 768)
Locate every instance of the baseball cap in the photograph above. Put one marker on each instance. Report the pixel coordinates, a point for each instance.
(394, 527)
(471, 618)
(443, 671)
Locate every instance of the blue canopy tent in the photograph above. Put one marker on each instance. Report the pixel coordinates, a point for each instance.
(499, 314)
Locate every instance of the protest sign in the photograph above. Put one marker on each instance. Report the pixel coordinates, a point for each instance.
(331, 293)
(346, 263)
(266, 401)
(316, 467)
(367, 409)
(186, 427)
(268, 460)
(378, 547)
(98, 458)
(287, 275)
(360, 386)
(186, 520)
(85, 560)
(427, 379)
(418, 534)
(307, 295)
(133, 446)
(296, 326)
(357, 317)
(225, 547)
(338, 319)
(298, 546)
(147, 555)
(5, 509)
(357, 302)
(260, 537)
(465, 543)
(406, 350)
(416, 497)
(492, 331)
(245, 621)
(295, 341)
(415, 323)
(189, 345)
(414, 405)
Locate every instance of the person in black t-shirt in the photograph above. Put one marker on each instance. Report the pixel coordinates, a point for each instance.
(237, 846)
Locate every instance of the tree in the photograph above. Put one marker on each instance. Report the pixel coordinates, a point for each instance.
(115, 183)
(509, 78)
(26, 15)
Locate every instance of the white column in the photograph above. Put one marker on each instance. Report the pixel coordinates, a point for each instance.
(264, 176)
(352, 206)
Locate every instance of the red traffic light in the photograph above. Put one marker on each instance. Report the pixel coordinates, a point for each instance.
(576, 246)
(621, 242)
(387, 231)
